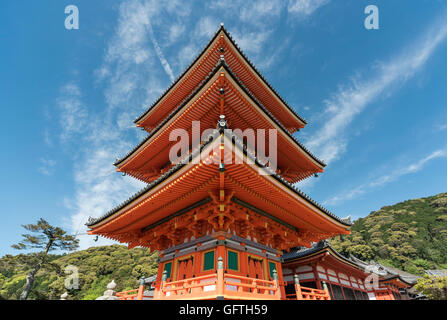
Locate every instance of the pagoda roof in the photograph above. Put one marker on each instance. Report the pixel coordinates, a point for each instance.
(178, 80)
(220, 65)
(134, 201)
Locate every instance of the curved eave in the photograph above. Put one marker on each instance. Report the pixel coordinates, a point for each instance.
(326, 249)
(394, 278)
(221, 64)
(177, 81)
(235, 140)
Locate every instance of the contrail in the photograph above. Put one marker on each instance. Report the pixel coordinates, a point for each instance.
(160, 55)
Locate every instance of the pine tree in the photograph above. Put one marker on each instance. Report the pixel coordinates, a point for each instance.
(45, 237)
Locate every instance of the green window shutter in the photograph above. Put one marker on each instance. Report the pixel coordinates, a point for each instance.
(232, 260)
(208, 261)
(272, 266)
(168, 267)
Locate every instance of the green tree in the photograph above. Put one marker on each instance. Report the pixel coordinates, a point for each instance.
(44, 237)
(433, 287)
(362, 251)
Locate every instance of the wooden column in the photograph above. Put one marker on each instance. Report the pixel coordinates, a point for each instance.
(296, 279)
(220, 278)
(281, 280)
(140, 289)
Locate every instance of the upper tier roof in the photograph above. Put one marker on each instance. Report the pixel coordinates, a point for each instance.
(199, 69)
(302, 158)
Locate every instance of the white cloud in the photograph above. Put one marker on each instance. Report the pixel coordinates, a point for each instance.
(175, 32)
(73, 112)
(341, 109)
(130, 77)
(385, 179)
(47, 138)
(46, 166)
(257, 12)
(252, 42)
(442, 127)
(303, 8)
(206, 27)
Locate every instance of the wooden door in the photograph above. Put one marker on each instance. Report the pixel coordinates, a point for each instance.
(185, 268)
(255, 268)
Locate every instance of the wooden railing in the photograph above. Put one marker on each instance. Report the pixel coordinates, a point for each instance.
(218, 285)
(227, 286)
(134, 294)
(303, 293)
(313, 294)
(187, 288)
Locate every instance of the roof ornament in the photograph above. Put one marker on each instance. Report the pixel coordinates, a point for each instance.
(90, 220)
(347, 219)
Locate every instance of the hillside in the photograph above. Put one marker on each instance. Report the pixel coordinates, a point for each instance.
(97, 266)
(411, 235)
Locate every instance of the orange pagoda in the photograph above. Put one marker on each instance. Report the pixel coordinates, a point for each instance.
(223, 215)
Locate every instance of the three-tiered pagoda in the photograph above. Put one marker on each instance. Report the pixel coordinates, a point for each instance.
(223, 215)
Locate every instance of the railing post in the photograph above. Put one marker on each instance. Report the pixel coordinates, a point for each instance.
(299, 296)
(140, 289)
(164, 277)
(326, 289)
(275, 279)
(220, 278)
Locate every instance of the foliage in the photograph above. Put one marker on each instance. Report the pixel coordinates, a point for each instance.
(433, 287)
(411, 235)
(97, 266)
(48, 238)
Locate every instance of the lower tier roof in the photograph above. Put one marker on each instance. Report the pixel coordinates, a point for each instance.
(194, 179)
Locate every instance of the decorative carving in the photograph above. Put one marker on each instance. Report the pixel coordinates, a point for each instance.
(221, 215)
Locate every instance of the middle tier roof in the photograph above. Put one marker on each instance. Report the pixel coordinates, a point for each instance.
(150, 158)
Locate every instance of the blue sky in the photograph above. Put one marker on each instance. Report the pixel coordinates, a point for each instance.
(375, 100)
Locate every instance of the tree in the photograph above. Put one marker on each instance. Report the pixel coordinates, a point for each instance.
(433, 287)
(45, 237)
(362, 251)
